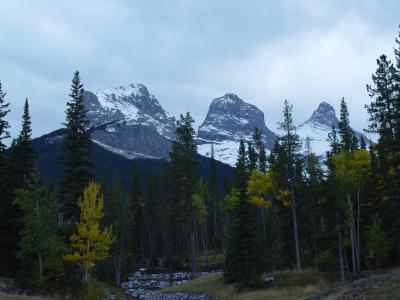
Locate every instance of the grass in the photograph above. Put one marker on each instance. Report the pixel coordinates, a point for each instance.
(210, 262)
(390, 291)
(17, 297)
(289, 285)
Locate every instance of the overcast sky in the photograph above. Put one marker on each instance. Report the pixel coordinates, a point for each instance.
(188, 52)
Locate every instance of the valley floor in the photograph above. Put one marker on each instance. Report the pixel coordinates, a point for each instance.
(306, 285)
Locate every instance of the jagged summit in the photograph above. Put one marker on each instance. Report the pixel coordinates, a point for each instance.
(129, 120)
(318, 127)
(229, 119)
(325, 115)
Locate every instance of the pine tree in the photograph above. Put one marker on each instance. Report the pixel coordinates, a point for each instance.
(183, 177)
(39, 239)
(213, 207)
(291, 144)
(260, 147)
(376, 242)
(252, 154)
(117, 214)
(363, 144)
(382, 118)
(22, 152)
(4, 125)
(345, 131)
(75, 151)
(18, 167)
(243, 260)
(151, 213)
(333, 142)
(90, 243)
(138, 217)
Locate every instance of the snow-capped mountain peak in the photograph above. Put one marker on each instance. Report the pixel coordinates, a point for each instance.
(229, 119)
(318, 127)
(130, 119)
(324, 115)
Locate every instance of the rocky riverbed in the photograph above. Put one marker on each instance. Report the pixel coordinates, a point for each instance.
(147, 286)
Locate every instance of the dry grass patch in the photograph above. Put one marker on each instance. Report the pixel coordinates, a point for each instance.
(17, 297)
(289, 285)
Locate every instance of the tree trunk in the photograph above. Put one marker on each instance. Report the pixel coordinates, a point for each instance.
(352, 237)
(358, 229)
(40, 263)
(215, 216)
(118, 271)
(296, 234)
(193, 246)
(206, 242)
(340, 248)
(87, 260)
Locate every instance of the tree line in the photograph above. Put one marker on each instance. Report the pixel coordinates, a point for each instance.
(285, 209)
(340, 213)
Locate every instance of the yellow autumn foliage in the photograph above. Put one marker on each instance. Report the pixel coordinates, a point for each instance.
(90, 243)
(259, 186)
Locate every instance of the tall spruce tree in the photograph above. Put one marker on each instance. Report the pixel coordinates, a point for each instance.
(183, 177)
(75, 152)
(252, 154)
(290, 142)
(138, 217)
(25, 155)
(382, 120)
(345, 131)
(260, 148)
(8, 245)
(243, 260)
(4, 125)
(213, 207)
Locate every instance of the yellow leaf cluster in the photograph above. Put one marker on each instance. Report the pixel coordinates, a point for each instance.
(90, 243)
(283, 196)
(259, 186)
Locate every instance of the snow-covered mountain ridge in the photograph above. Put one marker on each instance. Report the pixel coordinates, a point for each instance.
(318, 127)
(130, 122)
(229, 119)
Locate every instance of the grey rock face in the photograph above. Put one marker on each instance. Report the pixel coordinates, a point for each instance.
(325, 115)
(130, 121)
(230, 118)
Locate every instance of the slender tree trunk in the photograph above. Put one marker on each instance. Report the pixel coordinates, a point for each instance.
(118, 271)
(40, 263)
(295, 229)
(215, 216)
(352, 238)
(193, 246)
(87, 260)
(263, 223)
(358, 229)
(340, 247)
(40, 258)
(206, 242)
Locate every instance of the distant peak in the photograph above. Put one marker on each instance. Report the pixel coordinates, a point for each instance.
(228, 98)
(325, 114)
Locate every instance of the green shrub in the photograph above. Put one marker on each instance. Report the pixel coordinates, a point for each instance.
(93, 290)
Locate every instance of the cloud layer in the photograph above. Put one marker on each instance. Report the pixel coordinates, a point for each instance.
(188, 52)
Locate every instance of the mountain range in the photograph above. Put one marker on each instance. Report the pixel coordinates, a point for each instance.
(130, 122)
(130, 128)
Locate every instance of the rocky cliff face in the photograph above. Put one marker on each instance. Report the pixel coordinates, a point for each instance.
(130, 121)
(228, 120)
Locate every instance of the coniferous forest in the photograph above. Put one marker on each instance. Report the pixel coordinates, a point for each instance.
(287, 209)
